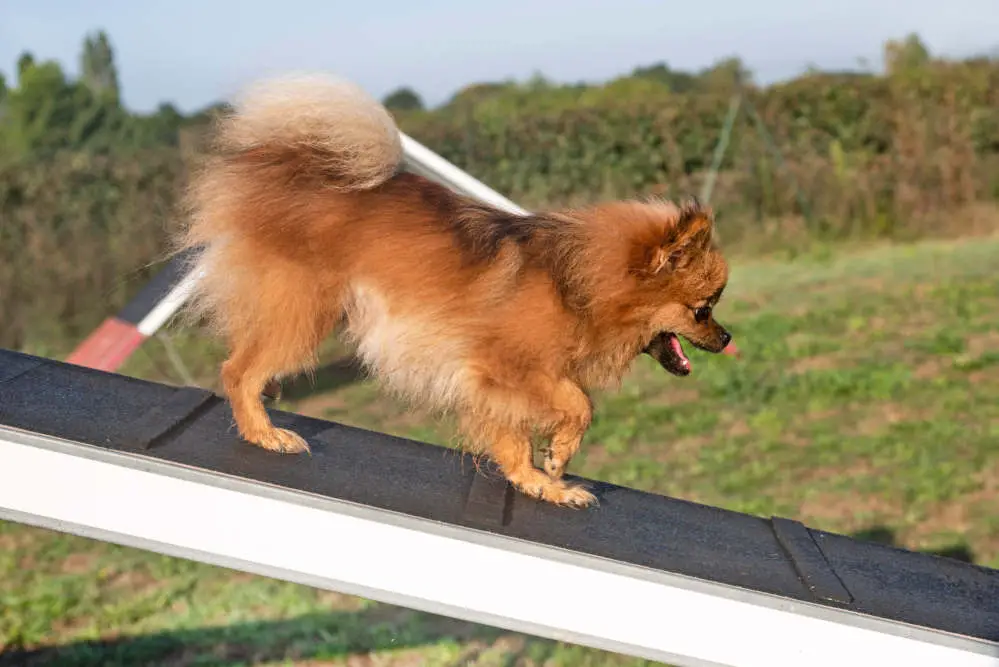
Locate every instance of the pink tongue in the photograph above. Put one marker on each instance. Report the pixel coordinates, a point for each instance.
(678, 349)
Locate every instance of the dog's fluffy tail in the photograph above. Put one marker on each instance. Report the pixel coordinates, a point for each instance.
(332, 127)
(284, 141)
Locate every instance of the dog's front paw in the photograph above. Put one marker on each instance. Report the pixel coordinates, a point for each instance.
(537, 484)
(281, 440)
(574, 495)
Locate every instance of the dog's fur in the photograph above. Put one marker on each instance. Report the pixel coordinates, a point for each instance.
(306, 221)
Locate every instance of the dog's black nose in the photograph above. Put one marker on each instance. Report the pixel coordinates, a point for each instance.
(726, 338)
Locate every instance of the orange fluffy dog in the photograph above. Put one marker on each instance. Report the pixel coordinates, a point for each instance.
(306, 221)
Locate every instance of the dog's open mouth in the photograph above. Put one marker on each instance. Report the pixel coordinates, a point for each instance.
(667, 350)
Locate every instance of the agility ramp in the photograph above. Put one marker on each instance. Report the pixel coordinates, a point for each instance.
(161, 468)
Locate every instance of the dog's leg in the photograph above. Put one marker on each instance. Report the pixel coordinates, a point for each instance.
(282, 343)
(512, 451)
(244, 376)
(574, 412)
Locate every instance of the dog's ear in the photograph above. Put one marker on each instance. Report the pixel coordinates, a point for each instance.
(689, 237)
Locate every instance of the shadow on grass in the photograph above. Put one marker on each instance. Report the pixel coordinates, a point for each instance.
(884, 535)
(311, 637)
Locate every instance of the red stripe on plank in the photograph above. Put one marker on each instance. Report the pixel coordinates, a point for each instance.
(108, 346)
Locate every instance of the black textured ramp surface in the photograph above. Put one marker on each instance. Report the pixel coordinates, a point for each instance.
(779, 557)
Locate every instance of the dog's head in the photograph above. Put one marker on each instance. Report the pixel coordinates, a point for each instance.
(679, 277)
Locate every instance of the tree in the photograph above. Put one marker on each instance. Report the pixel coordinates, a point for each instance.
(161, 128)
(24, 62)
(41, 110)
(726, 75)
(476, 93)
(906, 55)
(403, 99)
(97, 68)
(3, 99)
(677, 81)
(47, 113)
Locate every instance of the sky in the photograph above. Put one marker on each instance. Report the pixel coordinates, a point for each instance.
(196, 52)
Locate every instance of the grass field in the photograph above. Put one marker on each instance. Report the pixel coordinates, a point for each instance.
(866, 402)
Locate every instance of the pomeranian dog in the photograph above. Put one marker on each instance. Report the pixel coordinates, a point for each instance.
(306, 222)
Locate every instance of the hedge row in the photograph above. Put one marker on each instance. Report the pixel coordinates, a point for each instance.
(567, 144)
(888, 156)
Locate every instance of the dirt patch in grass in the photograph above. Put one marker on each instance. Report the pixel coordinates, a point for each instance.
(335, 600)
(9, 541)
(67, 628)
(848, 510)
(884, 415)
(668, 452)
(738, 428)
(964, 517)
(854, 470)
(978, 344)
(78, 563)
(673, 397)
(990, 374)
(814, 416)
(819, 362)
(951, 516)
(930, 368)
(19, 536)
(132, 580)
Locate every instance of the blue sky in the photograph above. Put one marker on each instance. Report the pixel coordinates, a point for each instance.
(195, 52)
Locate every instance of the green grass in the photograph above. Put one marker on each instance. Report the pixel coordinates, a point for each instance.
(866, 402)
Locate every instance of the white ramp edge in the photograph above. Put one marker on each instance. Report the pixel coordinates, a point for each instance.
(463, 573)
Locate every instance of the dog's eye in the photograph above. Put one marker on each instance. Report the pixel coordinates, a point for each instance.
(702, 314)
